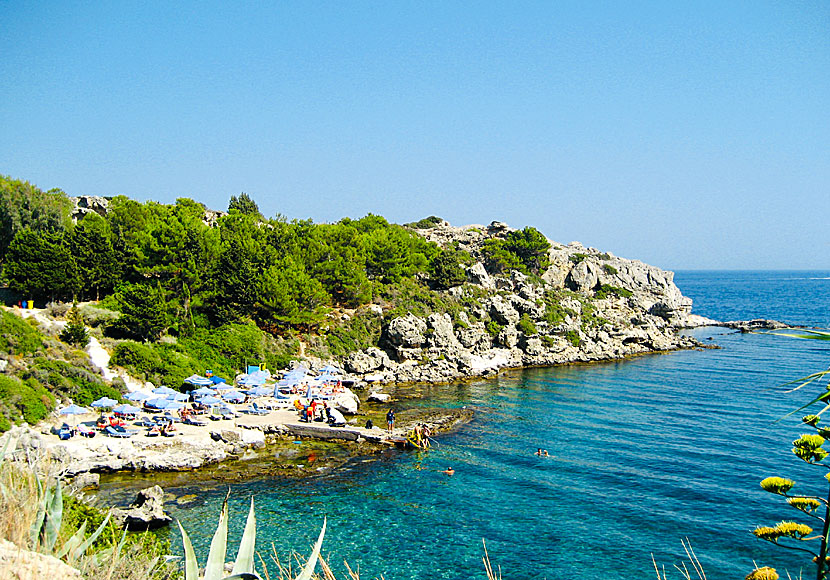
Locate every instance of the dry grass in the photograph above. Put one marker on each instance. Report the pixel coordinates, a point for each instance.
(20, 498)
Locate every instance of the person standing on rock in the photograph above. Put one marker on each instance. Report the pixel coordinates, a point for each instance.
(390, 420)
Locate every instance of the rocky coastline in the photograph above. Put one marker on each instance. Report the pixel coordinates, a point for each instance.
(586, 306)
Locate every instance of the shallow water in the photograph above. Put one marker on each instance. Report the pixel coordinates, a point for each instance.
(644, 453)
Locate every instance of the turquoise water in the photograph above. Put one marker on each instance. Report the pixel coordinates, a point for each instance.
(644, 453)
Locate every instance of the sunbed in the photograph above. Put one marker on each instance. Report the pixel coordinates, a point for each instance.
(115, 431)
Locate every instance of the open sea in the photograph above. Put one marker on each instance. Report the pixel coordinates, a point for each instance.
(644, 453)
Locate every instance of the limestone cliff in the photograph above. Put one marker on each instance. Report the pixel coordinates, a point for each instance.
(587, 306)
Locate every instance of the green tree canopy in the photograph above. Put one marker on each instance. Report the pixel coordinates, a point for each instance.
(39, 265)
(144, 313)
(244, 204)
(22, 205)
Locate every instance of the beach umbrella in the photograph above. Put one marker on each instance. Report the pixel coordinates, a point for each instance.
(260, 391)
(233, 396)
(328, 378)
(210, 400)
(162, 390)
(331, 369)
(136, 396)
(202, 391)
(178, 397)
(104, 402)
(126, 410)
(198, 381)
(296, 374)
(74, 410)
(216, 380)
(222, 386)
(164, 404)
(258, 378)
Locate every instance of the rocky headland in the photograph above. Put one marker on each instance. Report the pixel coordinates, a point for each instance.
(587, 306)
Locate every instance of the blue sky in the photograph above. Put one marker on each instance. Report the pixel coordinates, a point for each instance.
(687, 135)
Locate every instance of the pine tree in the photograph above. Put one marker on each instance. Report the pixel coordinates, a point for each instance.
(75, 331)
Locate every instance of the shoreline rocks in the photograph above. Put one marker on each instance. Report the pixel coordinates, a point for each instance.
(145, 513)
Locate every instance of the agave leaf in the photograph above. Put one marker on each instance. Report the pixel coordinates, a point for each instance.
(245, 558)
(806, 333)
(91, 539)
(54, 516)
(72, 542)
(37, 525)
(308, 569)
(191, 565)
(218, 546)
(244, 576)
(148, 573)
(804, 381)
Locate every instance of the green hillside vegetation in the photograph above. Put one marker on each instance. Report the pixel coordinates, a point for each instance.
(40, 371)
(179, 293)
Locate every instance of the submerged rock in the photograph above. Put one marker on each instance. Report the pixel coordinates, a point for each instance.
(145, 513)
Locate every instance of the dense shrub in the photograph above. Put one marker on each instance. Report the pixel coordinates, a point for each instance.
(493, 328)
(425, 223)
(65, 379)
(445, 271)
(140, 359)
(609, 269)
(577, 258)
(25, 400)
(572, 336)
(150, 544)
(607, 290)
(525, 250)
(226, 351)
(526, 325)
(17, 336)
(555, 313)
(359, 333)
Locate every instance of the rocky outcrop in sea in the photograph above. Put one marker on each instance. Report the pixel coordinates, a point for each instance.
(587, 306)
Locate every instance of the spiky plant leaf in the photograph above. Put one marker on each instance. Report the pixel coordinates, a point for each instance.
(37, 525)
(218, 546)
(308, 569)
(73, 542)
(244, 576)
(90, 540)
(53, 519)
(245, 558)
(191, 565)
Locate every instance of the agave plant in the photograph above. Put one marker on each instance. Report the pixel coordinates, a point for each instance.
(243, 568)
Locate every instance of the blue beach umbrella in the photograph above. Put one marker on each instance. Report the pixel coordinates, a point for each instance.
(162, 390)
(136, 396)
(260, 391)
(104, 402)
(233, 396)
(74, 410)
(216, 380)
(331, 369)
(198, 380)
(126, 410)
(202, 391)
(163, 404)
(210, 400)
(327, 378)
